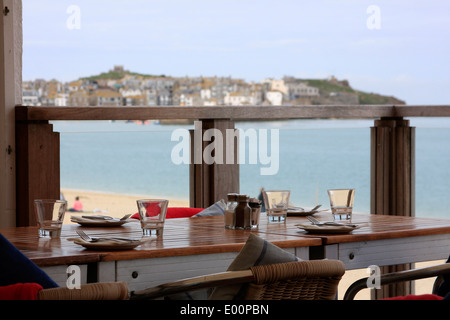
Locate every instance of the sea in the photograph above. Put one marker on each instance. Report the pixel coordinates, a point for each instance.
(305, 156)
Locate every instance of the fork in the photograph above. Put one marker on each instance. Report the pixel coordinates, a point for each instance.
(125, 217)
(317, 222)
(314, 220)
(330, 223)
(85, 237)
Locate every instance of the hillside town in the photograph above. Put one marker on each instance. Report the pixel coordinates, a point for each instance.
(119, 87)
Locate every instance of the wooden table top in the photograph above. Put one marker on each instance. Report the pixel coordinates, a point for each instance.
(185, 236)
(373, 227)
(189, 236)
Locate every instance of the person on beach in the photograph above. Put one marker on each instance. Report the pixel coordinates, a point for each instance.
(77, 205)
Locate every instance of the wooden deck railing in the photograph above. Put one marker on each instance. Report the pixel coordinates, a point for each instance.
(392, 149)
(229, 112)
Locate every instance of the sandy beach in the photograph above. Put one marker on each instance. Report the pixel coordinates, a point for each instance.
(118, 205)
(114, 205)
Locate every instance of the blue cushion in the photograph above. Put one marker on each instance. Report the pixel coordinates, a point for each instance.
(17, 268)
(216, 209)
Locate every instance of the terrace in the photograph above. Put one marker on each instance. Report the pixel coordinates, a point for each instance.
(392, 150)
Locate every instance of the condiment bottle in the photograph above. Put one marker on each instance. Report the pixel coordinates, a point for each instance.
(230, 220)
(243, 213)
(255, 205)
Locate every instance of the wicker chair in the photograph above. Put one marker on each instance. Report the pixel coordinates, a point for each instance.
(90, 291)
(408, 275)
(305, 280)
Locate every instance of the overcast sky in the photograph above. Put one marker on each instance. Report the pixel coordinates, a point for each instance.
(399, 48)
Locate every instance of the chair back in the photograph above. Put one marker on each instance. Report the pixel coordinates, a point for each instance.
(300, 280)
(90, 291)
(304, 280)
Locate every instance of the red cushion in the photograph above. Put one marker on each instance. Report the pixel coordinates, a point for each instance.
(182, 212)
(20, 291)
(417, 297)
(152, 209)
(176, 212)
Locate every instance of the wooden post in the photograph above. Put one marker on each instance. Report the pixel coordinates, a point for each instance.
(10, 96)
(392, 181)
(210, 182)
(38, 167)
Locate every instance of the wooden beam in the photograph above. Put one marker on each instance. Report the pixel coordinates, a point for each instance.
(38, 168)
(392, 168)
(211, 182)
(392, 182)
(230, 112)
(422, 111)
(10, 96)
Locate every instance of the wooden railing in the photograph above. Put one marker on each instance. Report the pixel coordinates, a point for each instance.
(38, 164)
(229, 112)
(392, 149)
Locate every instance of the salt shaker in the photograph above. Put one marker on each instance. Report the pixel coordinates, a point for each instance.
(243, 213)
(230, 221)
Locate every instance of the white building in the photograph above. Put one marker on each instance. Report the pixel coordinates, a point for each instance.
(277, 85)
(240, 99)
(130, 92)
(30, 98)
(205, 94)
(61, 99)
(274, 97)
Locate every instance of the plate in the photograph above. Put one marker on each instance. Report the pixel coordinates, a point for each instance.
(311, 228)
(301, 212)
(89, 222)
(108, 244)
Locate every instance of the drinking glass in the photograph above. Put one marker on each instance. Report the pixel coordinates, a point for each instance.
(276, 203)
(341, 202)
(152, 214)
(50, 216)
